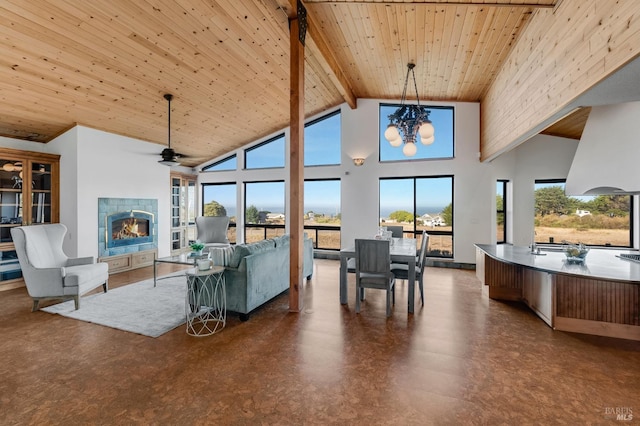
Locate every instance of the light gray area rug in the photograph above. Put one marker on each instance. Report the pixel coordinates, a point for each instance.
(138, 308)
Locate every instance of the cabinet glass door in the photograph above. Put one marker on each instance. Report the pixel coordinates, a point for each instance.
(11, 209)
(40, 193)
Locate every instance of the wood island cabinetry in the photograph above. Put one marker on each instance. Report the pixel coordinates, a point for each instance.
(600, 297)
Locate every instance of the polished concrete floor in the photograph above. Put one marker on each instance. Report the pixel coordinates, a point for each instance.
(460, 359)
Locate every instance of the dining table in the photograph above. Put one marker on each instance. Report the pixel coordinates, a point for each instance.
(403, 250)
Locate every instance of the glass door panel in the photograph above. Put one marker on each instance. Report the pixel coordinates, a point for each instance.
(183, 212)
(40, 193)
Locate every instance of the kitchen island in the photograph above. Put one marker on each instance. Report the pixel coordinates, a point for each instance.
(600, 297)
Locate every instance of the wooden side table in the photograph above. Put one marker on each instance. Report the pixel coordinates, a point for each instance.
(206, 301)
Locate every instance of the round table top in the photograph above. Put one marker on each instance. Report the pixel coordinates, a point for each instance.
(215, 269)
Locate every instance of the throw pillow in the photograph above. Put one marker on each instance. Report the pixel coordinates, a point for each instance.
(239, 253)
(243, 250)
(221, 256)
(281, 241)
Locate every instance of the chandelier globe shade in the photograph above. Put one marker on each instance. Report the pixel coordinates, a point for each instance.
(427, 141)
(396, 142)
(426, 130)
(409, 121)
(409, 149)
(392, 135)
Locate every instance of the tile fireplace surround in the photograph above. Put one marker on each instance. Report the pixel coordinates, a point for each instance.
(109, 206)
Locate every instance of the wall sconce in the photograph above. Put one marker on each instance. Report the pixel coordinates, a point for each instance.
(358, 161)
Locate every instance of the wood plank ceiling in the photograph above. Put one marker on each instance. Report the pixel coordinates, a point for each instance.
(106, 64)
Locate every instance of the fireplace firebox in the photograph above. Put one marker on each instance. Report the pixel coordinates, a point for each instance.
(128, 228)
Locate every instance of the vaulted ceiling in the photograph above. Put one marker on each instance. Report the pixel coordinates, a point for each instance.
(107, 64)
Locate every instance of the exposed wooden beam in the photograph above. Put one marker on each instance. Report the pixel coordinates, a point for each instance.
(330, 64)
(434, 3)
(328, 61)
(296, 169)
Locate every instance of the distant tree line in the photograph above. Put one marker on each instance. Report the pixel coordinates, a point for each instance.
(407, 217)
(553, 201)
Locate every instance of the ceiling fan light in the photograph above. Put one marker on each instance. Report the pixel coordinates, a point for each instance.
(426, 130)
(169, 163)
(392, 134)
(409, 149)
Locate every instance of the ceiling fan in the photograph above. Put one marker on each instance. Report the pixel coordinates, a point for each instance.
(169, 156)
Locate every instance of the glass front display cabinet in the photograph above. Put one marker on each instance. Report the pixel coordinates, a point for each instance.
(29, 193)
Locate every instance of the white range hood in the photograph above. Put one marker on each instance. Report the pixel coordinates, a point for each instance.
(607, 160)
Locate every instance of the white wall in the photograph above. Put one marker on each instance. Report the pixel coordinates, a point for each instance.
(67, 146)
(96, 164)
(541, 157)
(112, 166)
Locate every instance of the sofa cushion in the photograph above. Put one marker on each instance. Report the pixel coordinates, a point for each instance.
(243, 250)
(74, 276)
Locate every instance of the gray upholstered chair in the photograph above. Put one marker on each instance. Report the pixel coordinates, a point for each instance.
(48, 272)
(212, 231)
(401, 270)
(373, 270)
(396, 231)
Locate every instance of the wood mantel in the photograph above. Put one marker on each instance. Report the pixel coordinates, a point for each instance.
(601, 297)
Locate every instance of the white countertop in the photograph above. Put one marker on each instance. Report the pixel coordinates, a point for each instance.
(600, 263)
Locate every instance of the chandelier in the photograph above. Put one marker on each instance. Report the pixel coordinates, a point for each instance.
(408, 121)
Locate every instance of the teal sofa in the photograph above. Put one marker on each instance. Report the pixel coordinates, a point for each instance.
(257, 272)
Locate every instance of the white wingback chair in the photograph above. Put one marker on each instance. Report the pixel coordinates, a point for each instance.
(48, 273)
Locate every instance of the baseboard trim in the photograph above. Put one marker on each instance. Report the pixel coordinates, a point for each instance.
(438, 263)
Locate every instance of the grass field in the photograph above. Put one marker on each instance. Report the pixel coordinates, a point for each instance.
(614, 237)
(444, 243)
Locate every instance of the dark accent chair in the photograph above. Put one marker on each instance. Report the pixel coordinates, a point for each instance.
(373, 270)
(401, 270)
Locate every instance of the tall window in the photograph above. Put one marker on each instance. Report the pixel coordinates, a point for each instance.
(268, 154)
(442, 147)
(264, 214)
(501, 209)
(599, 220)
(219, 199)
(229, 163)
(420, 203)
(322, 213)
(322, 141)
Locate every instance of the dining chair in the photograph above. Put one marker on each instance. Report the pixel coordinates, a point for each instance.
(373, 270)
(401, 270)
(396, 231)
